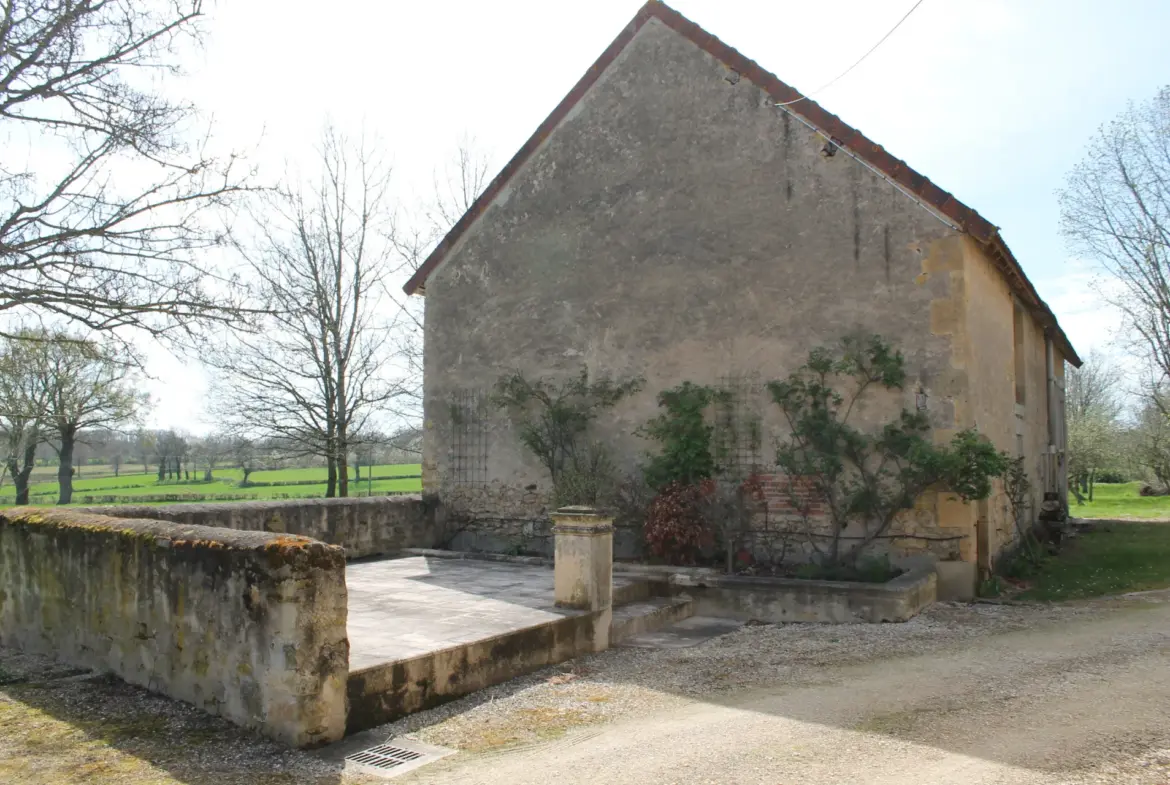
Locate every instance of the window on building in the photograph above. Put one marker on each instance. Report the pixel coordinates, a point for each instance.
(1018, 351)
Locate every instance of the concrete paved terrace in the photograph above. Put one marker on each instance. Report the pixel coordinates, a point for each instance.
(407, 607)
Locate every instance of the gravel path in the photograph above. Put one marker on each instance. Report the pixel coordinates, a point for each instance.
(978, 694)
(970, 693)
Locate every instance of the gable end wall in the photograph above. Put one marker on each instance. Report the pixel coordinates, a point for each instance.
(675, 226)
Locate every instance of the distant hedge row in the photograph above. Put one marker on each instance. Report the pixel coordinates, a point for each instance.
(194, 498)
(352, 481)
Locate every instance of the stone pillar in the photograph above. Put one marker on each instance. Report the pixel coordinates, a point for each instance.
(584, 559)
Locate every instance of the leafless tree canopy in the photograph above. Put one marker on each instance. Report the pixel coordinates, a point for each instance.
(455, 189)
(1115, 209)
(23, 404)
(321, 366)
(55, 387)
(1093, 389)
(414, 235)
(1093, 408)
(88, 385)
(105, 206)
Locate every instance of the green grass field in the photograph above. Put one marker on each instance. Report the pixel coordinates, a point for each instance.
(136, 487)
(1120, 501)
(1119, 558)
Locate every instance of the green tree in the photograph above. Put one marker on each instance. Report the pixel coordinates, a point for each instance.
(684, 436)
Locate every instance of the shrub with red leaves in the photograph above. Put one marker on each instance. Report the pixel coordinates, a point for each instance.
(675, 529)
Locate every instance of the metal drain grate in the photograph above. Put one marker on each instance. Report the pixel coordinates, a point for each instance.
(394, 757)
(384, 756)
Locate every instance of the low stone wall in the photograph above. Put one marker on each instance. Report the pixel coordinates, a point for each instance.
(776, 600)
(363, 527)
(247, 625)
(384, 693)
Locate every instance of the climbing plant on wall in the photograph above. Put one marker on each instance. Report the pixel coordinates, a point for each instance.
(684, 435)
(699, 503)
(867, 477)
(553, 419)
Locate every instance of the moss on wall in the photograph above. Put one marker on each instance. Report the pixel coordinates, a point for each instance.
(248, 625)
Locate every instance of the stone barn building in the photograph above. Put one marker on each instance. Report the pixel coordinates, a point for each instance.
(684, 215)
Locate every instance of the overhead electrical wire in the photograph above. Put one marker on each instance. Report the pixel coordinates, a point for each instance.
(842, 75)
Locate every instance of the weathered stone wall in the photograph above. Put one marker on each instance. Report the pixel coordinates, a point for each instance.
(247, 625)
(781, 601)
(675, 226)
(498, 518)
(363, 527)
(384, 693)
(790, 517)
(1019, 429)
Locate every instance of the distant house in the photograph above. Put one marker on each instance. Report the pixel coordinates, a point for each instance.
(684, 215)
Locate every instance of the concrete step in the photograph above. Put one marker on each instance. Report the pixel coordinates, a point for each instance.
(629, 590)
(649, 615)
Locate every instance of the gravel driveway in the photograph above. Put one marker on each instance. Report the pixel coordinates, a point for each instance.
(971, 694)
(963, 693)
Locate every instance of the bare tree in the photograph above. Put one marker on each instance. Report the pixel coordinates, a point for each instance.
(1093, 409)
(1094, 387)
(1150, 439)
(244, 454)
(144, 447)
(87, 385)
(461, 183)
(169, 449)
(212, 450)
(106, 206)
(1115, 210)
(318, 369)
(455, 189)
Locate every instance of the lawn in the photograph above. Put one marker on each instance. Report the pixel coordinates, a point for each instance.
(276, 484)
(1117, 558)
(1120, 501)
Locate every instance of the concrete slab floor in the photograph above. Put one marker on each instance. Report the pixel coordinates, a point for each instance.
(401, 608)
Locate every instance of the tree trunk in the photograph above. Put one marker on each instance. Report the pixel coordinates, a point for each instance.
(21, 475)
(342, 471)
(14, 471)
(331, 478)
(1092, 482)
(68, 436)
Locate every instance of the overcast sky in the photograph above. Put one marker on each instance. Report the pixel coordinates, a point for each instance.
(994, 100)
